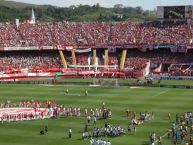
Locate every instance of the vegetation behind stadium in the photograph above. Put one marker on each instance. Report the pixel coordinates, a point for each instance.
(9, 11)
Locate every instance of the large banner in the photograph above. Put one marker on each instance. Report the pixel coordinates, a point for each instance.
(112, 49)
(175, 12)
(26, 75)
(83, 50)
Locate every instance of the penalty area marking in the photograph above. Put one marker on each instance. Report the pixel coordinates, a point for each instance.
(133, 87)
(49, 85)
(94, 85)
(162, 137)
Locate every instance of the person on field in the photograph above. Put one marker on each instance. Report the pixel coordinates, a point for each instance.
(129, 128)
(91, 141)
(159, 140)
(169, 131)
(169, 116)
(67, 91)
(85, 112)
(134, 129)
(191, 140)
(108, 143)
(70, 133)
(46, 129)
(86, 127)
(83, 135)
(103, 105)
(177, 118)
(175, 143)
(173, 129)
(42, 132)
(176, 135)
(152, 138)
(97, 142)
(88, 119)
(86, 93)
(128, 112)
(95, 120)
(104, 142)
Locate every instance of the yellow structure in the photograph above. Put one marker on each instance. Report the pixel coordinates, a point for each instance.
(73, 56)
(106, 56)
(124, 54)
(63, 59)
(94, 55)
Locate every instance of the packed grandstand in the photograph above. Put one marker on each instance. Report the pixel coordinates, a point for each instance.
(124, 49)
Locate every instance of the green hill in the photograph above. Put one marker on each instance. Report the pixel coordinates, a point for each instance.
(13, 4)
(9, 10)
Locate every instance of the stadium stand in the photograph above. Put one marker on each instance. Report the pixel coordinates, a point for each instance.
(12, 62)
(153, 42)
(94, 34)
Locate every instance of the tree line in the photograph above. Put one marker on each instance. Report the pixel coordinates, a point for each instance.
(80, 13)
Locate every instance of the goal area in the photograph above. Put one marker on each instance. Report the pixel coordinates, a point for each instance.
(105, 82)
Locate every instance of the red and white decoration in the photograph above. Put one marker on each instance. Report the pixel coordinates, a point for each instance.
(21, 114)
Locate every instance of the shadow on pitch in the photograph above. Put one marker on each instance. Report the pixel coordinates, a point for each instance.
(66, 138)
(145, 143)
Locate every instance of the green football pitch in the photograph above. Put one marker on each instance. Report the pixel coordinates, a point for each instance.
(157, 100)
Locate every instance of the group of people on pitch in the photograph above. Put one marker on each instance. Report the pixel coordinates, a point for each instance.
(182, 130)
(99, 142)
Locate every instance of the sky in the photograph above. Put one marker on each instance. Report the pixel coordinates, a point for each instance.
(145, 4)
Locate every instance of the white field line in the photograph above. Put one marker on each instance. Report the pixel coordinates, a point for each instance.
(161, 137)
(160, 93)
(163, 92)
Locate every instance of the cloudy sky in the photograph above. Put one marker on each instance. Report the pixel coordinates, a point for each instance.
(146, 4)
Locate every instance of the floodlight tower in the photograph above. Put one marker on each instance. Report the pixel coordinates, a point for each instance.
(33, 18)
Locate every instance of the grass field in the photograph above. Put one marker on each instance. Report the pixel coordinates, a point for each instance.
(157, 100)
(129, 81)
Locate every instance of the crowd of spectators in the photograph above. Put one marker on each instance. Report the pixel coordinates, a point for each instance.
(9, 35)
(165, 34)
(94, 34)
(114, 58)
(99, 34)
(83, 59)
(35, 35)
(136, 61)
(31, 61)
(181, 70)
